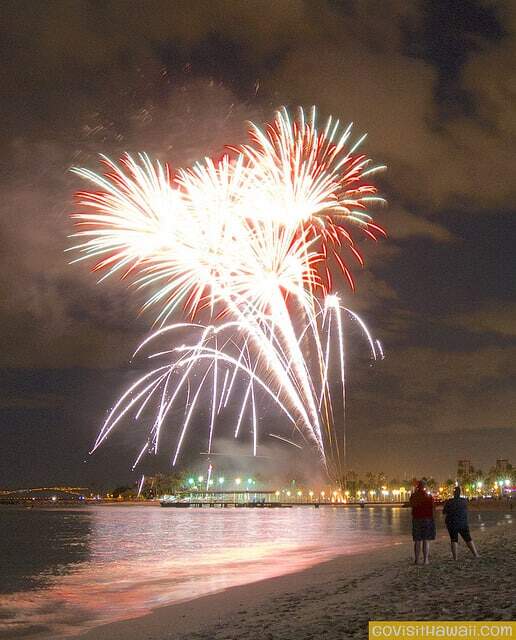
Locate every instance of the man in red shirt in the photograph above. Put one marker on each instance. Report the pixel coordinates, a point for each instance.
(423, 523)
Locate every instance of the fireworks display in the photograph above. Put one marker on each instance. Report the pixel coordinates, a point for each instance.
(252, 242)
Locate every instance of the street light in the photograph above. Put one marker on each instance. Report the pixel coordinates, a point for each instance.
(221, 480)
(238, 480)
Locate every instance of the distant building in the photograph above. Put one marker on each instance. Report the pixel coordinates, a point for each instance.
(503, 466)
(464, 469)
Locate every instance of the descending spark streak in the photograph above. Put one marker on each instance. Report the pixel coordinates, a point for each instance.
(214, 396)
(343, 384)
(172, 327)
(208, 476)
(301, 371)
(140, 486)
(253, 407)
(226, 376)
(365, 330)
(147, 399)
(108, 425)
(161, 417)
(274, 361)
(235, 370)
(255, 422)
(294, 444)
(187, 421)
(139, 457)
(187, 403)
(246, 396)
(165, 407)
(253, 237)
(242, 410)
(207, 353)
(324, 385)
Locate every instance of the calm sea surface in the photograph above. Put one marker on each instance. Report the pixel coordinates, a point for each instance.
(65, 570)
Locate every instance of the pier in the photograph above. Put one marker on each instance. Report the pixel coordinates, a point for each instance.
(265, 500)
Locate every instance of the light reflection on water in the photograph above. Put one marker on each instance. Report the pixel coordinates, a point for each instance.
(67, 570)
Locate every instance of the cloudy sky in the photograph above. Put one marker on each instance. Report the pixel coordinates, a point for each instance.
(432, 83)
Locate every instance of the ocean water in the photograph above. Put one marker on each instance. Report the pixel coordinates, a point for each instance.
(65, 570)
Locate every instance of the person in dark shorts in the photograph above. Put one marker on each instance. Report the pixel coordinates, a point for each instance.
(455, 511)
(423, 522)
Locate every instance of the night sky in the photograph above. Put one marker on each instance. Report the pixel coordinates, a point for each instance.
(434, 86)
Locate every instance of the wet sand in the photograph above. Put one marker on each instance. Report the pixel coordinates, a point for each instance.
(336, 599)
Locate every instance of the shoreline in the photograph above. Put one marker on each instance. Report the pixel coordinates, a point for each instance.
(474, 504)
(336, 598)
(190, 616)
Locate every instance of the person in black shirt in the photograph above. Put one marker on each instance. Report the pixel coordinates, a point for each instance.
(456, 513)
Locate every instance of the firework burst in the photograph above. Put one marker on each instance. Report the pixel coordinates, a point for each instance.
(252, 240)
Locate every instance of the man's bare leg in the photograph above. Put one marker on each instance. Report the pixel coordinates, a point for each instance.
(426, 551)
(454, 549)
(417, 551)
(472, 548)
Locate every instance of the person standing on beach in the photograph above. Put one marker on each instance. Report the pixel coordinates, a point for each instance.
(423, 522)
(455, 511)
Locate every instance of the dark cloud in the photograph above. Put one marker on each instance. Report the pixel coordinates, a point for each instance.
(431, 82)
(492, 318)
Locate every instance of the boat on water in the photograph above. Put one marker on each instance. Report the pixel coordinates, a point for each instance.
(175, 501)
(168, 503)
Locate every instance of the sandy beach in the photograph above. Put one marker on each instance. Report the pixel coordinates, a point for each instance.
(338, 598)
